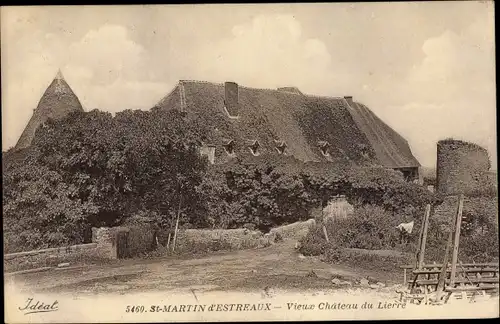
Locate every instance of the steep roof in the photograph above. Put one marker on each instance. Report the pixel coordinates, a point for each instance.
(56, 102)
(349, 131)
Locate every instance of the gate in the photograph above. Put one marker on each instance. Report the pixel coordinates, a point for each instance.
(121, 247)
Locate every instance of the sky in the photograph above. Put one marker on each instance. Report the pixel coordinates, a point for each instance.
(426, 68)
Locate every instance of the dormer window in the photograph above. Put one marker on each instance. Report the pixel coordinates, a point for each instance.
(280, 146)
(229, 147)
(324, 147)
(254, 147)
(363, 149)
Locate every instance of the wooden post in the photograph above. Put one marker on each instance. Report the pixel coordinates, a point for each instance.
(326, 234)
(421, 245)
(177, 222)
(323, 220)
(423, 238)
(168, 242)
(456, 240)
(444, 268)
(442, 276)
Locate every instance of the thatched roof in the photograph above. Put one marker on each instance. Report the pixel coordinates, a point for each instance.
(57, 102)
(308, 125)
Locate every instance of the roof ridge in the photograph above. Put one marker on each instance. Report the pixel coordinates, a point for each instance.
(199, 81)
(263, 89)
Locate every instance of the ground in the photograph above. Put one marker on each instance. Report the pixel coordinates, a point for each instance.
(278, 267)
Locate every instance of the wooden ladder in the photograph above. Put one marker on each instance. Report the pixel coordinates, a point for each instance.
(446, 279)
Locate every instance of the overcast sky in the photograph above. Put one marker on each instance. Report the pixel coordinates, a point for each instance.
(427, 69)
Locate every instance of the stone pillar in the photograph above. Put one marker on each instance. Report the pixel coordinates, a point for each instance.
(104, 238)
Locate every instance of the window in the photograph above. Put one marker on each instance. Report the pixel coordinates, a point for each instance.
(229, 147)
(254, 148)
(364, 150)
(280, 147)
(324, 146)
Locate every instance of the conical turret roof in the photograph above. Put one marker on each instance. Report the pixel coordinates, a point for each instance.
(57, 102)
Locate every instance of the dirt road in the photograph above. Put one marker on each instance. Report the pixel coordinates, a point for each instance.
(276, 267)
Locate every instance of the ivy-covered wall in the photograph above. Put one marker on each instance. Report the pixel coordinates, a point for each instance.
(462, 168)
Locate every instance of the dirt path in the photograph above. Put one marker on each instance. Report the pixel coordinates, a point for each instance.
(277, 267)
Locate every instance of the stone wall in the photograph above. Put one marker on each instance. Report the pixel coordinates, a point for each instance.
(102, 248)
(462, 168)
(103, 236)
(203, 240)
(53, 256)
(294, 231)
(141, 238)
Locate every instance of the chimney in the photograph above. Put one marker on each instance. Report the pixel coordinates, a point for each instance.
(231, 99)
(349, 100)
(290, 90)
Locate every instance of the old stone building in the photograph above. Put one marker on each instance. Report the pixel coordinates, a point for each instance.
(284, 121)
(258, 122)
(462, 168)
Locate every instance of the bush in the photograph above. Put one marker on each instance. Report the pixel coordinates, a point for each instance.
(314, 243)
(365, 260)
(371, 227)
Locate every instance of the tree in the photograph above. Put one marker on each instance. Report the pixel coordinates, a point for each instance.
(93, 169)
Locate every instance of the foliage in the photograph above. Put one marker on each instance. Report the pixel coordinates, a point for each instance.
(371, 227)
(271, 192)
(365, 259)
(40, 210)
(259, 193)
(93, 169)
(314, 243)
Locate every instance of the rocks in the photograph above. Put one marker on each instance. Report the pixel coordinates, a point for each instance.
(312, 274)
(63, 265)
(268, 292)
(52, 258)
(373, 286)
(346, 283)
(341, 283)
(364, 282)
(301, 256)
(381, 284)
(115, 287)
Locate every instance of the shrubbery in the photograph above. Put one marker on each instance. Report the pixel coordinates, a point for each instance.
(365, 260)
(270, 193)
(93, 169)
(373, 228)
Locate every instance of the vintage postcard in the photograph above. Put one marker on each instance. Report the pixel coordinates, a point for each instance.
(238, 162)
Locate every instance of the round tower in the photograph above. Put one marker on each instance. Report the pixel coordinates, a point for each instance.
(462, 167)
